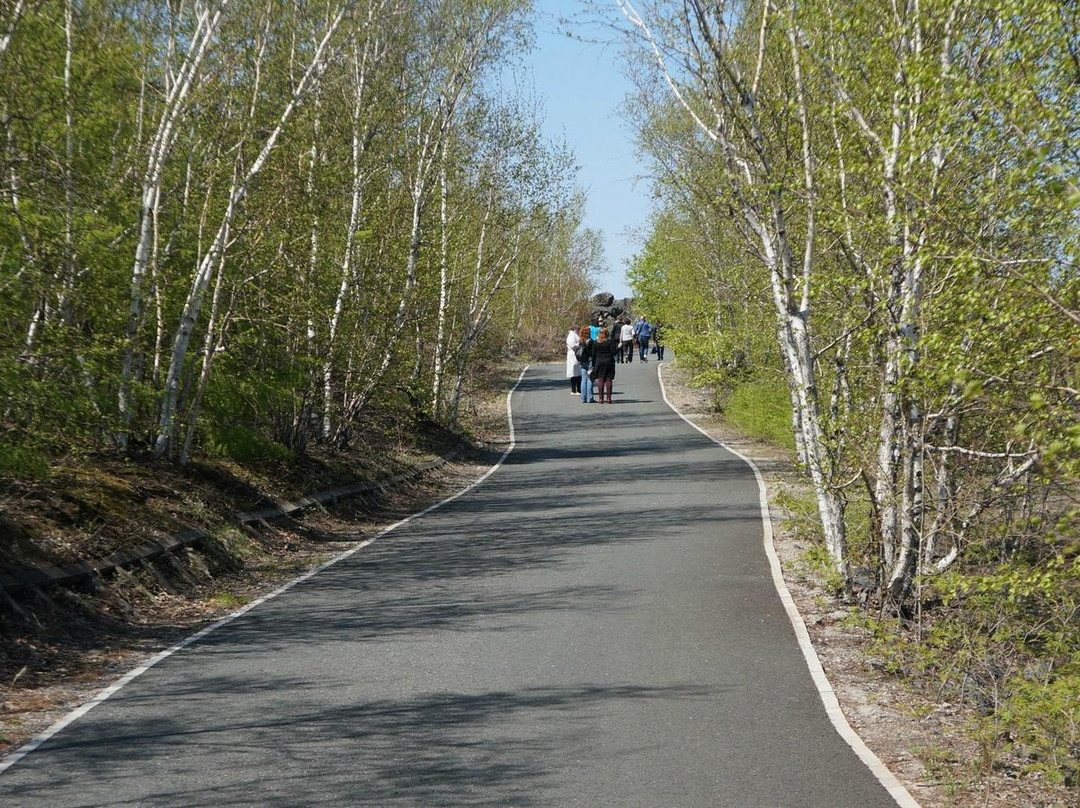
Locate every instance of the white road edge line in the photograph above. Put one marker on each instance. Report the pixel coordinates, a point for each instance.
(116, 686)
(817, 672)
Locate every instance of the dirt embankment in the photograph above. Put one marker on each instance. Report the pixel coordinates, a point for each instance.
(60, 644)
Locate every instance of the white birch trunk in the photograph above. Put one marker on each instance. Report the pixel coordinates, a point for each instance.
(444, 272)
(478, 317)
(13, 19)
(360, 64)
(200, 283)
(158, 154)
(212, 341)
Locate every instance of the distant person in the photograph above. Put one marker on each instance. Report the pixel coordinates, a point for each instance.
(626, 340)
(573, 368)
(658, 342)
(594, 327)
(642, 331)
(584, 357)
(603, 363)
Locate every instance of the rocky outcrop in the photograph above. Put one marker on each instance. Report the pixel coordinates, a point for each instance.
(605, 306)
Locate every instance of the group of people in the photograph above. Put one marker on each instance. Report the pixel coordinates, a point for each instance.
(593, 351)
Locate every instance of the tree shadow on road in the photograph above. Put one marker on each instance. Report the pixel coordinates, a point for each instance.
(496, 748)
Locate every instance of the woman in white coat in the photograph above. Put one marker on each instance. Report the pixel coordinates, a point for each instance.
(573, 369)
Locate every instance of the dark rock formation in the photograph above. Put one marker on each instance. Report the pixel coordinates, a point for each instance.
(605, 306)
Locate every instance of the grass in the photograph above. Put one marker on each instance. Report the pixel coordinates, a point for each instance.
(23, 462)
(228, 600)
(761, 408)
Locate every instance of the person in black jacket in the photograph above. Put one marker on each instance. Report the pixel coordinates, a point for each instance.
(603, 364)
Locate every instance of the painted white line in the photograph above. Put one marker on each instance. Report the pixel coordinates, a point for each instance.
(116, 686)
(817, 672)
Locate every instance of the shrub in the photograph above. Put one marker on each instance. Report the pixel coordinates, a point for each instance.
(762, 407)
(23, 462)
(242, 444)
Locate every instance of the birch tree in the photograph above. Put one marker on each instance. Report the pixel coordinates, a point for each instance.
(178, 88)
(725, 90)
(240, 186)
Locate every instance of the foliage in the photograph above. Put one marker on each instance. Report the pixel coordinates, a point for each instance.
(23, 462)
(338, 205)
(242, 444)
(878, 204)
(762, 408)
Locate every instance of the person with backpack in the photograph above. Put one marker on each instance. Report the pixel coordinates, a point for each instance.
(583, 352)
(658, 342)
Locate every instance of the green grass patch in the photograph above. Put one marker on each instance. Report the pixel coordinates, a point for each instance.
(816, 565)
(242, 444)
(228, 600)
(236, 543)
(803, 522)
(762, 409)
(23, 462)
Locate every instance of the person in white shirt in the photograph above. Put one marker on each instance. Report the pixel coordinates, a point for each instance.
(626, 342)
(573, 369)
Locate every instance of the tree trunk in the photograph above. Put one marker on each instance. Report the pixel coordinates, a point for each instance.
(159, 150)
(203, 275)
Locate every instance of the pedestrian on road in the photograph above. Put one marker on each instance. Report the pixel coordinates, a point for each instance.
(642, 330)
(573, 368)
(584, 357)
(658, 341)
(603, 359)
(626, 340)
(594, 327)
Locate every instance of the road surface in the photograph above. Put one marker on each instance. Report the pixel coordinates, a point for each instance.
(594, 625)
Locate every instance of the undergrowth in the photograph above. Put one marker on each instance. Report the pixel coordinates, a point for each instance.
(761, 407)
(1006, 644)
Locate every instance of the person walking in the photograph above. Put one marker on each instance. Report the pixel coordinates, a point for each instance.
(584, 357)
(573, 367)
(603, 364)
(658, 341)
(626, 340)
(642, 330)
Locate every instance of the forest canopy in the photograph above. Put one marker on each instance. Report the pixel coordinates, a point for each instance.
(226, 222)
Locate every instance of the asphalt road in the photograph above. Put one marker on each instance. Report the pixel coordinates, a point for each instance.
(594, 625)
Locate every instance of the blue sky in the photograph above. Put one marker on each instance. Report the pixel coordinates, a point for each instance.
(581, 87)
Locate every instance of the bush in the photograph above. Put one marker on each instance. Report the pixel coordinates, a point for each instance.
(762, 407)
(242, 444)
(23, 462)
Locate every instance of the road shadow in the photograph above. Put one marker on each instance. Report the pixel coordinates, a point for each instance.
(496, 748)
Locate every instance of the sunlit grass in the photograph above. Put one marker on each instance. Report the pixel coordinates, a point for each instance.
(762, 409)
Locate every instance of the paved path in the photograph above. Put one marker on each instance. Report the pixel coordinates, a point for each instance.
(595, 625)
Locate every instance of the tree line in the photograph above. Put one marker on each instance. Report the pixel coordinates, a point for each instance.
(868, 214)
(230, 223)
